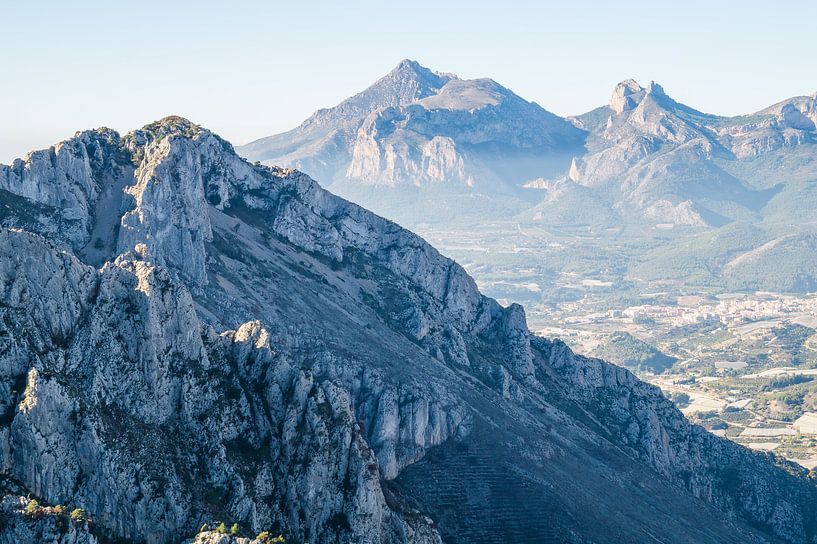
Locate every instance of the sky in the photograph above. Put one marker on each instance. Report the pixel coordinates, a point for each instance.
(248, 69)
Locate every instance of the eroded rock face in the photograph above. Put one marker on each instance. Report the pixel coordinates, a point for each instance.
(255, 350)
(134, 385)
(710, 468)
(66, 180)
(786, 125)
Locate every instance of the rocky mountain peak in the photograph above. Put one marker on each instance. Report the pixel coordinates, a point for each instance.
(629, 94)
(626, 96)
(413, 70)
(655, 89)
(407, 82)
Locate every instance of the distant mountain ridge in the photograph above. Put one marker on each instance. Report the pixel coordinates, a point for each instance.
(417, 129)
(321, 142)
(657, 159)
(435, 138)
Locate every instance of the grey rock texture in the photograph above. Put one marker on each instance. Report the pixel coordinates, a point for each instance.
(244, 346)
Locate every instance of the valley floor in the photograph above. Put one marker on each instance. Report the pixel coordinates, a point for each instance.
(741, 364)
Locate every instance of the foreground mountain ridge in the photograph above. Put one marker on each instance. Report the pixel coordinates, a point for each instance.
(187, 337)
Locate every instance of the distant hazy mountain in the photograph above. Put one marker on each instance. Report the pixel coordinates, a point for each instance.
(415, 128)
(444, 145)
(736, 195)
(658, 161)
(321, 145)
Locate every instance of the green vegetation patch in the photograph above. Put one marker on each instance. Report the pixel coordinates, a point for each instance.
(625, 349)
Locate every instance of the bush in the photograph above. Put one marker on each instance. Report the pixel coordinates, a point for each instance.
(78, 515)
(234, 529)
(267, 538)
(32, 507)
(680, 399)
(221, 529)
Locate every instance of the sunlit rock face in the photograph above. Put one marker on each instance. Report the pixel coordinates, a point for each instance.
(651, 160)
(781, 127)
(188, 338)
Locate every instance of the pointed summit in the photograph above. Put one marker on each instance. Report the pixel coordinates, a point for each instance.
(629, 94)
(410, 68)
(413, 70)
(655, 89)
(626, 96)
(407, 82)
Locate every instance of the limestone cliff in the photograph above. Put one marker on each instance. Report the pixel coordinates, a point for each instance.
(243, 346)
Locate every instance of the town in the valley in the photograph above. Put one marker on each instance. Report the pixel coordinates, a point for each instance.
(742, 364)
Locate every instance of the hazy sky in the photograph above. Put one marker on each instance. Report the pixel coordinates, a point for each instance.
(249, 69)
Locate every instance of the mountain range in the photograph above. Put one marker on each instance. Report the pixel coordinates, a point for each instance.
(415, 127)
(187, 338)
(427, 148)
(645, 156)
(422, 140)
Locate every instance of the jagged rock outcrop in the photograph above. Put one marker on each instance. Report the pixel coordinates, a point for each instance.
(67, 181)
(129, 351)
(245, 346)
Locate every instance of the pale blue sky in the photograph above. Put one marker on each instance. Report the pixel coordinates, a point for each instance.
(247, 69)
